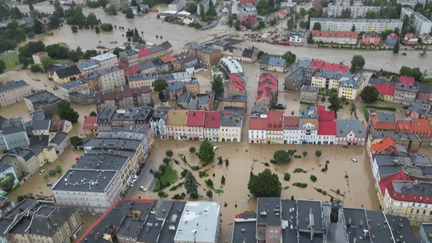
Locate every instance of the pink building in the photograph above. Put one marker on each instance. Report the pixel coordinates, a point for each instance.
(371, 38)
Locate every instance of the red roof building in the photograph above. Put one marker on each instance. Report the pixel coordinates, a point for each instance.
(371, 38)
(196, 118)
(318, 6)
(400, 176)
(131, 70)
(385, 89)
(324, 115)
(410, 39)
(90, 122)
(168, 58)
(246, 1)
(122, 64)
(329, 66)
(422, 128)
(267, 90)
(237, 85)
(251, 20)
(257, 124)
(337, 34)
(393, 36)
(404, 126)
(385, 146)
(327, 128)
(144, 52)
(291, 122)
(212, 119)
(275, 120)
(406, 80)
(387, 122)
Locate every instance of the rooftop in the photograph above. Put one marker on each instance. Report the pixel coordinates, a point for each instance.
(73, 84)
(6, 86)
(84, 180)
(68, 71)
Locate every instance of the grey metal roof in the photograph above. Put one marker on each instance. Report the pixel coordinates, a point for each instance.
(84, 180)
(102, 161)
(413, 188)
(73, 84)
(355, 20)
(109, 70)
(268, 210)
(146, 65)
(309, 88)
(356, 223)
(230, 121)
(48, 219)
(91, 75)
(408, 88)
(12, 126)
(351, 81)
(419, 107)
(184, 98)
(24, 153)
(160, 112)
(402, 227)
(88, 64)
(273, 61)
(130, 52)
(162, 47)
(107, 112)
(236, 98)
(425, 88)
(12, 85)
(385, 116)
(297, 73)
(68, 71)
(204, 48)
(304, 63)
(346, 126)
(308, 113)
(329, 74)
(396, 137)
(247, 52)
(43, 97)
(244, 231)
(59, 137)
(176, 86)
(373, 81)
(420, 159)
(289, 213)
(199, 99)
(142, 76)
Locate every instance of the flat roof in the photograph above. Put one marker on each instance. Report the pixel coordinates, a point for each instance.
(84, 180)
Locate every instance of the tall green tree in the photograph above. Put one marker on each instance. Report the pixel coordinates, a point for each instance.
(217, 85)
(16, 13)
(335, 103)
(66, 112)
(92, 20)
(281, 157)
(206, 153)
(46, 62)
(396, 47)
(289, 57)
(111, 10)
(317, 26)
(357, 63)
(191, 184)
(369, 94)
(2, 66)
(265, 184)
(129, 13)
(159, 85)
(318, 153)
(191, 7)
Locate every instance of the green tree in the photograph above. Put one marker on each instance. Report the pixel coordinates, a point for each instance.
(392, 12)
(291, 23)
(223, 180)
(211, 9)
(129, 13)
(353, 28)
(117, 51)
(318, 153)
(2, 66)
(191, 7)
(357, 63)
(265, 184)
(370, 15)
(58, 169)
(209, 194)
(46, 62)
(289, 57)
(66, 112)
(111, 10)
(192, 150)
(310, 38)
(217, 85)
(280, 157)
(190, 184)
(76, 141)
(369, 94)
(15, 13)
(93, 113)
(303, 12)
(202, 12)
(106, 27)
(54, 21)
(335, 103)
(209, 183)
(35, 68)
(159, 85)
(45, 176)
(90, 53)
(313, 178)
(305, 153)
(92, 20)
(169, 153)
(287, 176)
(73, 56)
(206, 153)
(317, 26)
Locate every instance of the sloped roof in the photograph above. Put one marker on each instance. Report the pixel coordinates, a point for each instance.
(383, 144)
(196, 118)
(90, 122)
(257, 124)
(212, 119)
(385, 88)
(327, 128)
(406, 80)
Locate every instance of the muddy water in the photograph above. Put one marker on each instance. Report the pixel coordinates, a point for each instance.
(357, 189)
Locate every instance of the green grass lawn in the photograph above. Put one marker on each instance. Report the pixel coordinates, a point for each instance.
(168, 178)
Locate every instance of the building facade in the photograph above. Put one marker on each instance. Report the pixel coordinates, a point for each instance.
(13, 92)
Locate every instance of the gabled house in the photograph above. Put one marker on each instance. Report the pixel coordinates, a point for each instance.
(350, 132)
(386, 91)
(267, 90)
(382, 121)
(273, 64)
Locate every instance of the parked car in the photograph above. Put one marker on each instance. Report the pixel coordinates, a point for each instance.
(49, 184)
(354, 160)
(143, 189)
(41, 172)
(215, 148)
(281, 106)
(152, 171)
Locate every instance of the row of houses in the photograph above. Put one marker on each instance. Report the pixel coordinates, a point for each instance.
(404, 92)
(314, 125)
(280, 220)
(102, 174)
(402, 181)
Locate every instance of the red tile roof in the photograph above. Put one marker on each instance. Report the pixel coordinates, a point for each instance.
(318, 5)
(212, 119)
(57, 125)
(291, 122)
(168, 58)
(406, 80)
(385, 89)
(275, 120)
(422, 127)
(327, 128)
(404, 126)
(407, 197)
(329, 66)
(257, 124)
(144, 52)
(400, 176)
(324, 115)
(90, 122)
(196, 118)
(123, 64)
(410, 36)
(339, 34)
(267, 86)
(393, 36)
(380, 125)
(246, 1)
(237, 82)
(383, 144)
(250, 19)
(131, 70)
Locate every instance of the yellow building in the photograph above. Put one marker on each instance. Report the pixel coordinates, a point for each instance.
(326, 79)
(67, 74)
(45, 154)
(351, 86)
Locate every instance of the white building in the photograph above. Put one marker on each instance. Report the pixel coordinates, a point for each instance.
(157, 122)
(200, 222)
(79, 86)
(231, 66)
(357, 11)
(91, 190)
(106, 60)
(421, 23)
(111, 77)
(13, 92)
(291, 132)
(230, 128)
(89, 66)
(257, 130)
(366, 25)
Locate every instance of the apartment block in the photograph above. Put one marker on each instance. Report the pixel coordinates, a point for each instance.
(366, 25)
(13, 92)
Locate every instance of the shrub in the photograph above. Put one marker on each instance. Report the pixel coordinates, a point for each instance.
(184, 172)
(226, 162)
(324, 193)
(297, 156)
(327, 162)
(58, 169)
(287, 176)
(195, 167)
(313, 178)
(203, 174)
(166, 160)
(218, 191)
(209, 194)
(176, 162)
(73, 166)
(223, 180)
(220, 160)
(34, 68)
(267, 164)
(299, 184)
(162, 168)
(194, 195)
(338, 191)
(169, 153)
(209, 183)
(346, 176)
(45, 176)
(162, 194)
